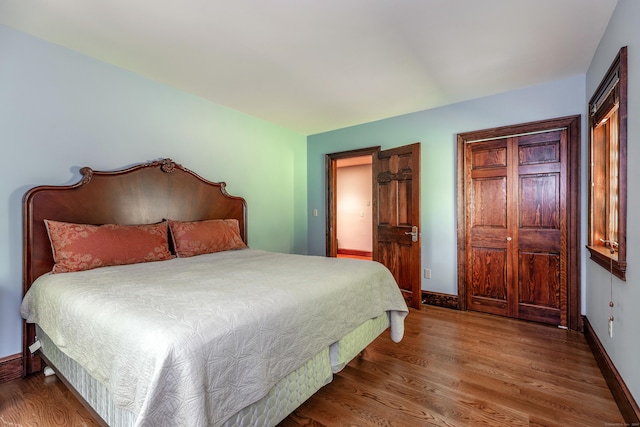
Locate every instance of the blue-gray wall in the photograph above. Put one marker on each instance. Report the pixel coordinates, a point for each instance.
(60, 110)
(436, 130)
(624, 346)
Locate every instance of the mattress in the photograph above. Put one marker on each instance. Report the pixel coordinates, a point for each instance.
(222, 327)
(281, 400)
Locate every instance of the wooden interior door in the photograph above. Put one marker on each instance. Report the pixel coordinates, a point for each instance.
(488, 266)
(396, 217)
(518, 251)
(540, 254)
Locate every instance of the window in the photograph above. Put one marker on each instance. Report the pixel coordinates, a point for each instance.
(608, 169)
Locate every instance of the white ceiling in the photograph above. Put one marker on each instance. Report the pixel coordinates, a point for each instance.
(319, 65)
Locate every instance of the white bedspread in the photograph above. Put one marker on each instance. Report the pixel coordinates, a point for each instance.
(191, 341)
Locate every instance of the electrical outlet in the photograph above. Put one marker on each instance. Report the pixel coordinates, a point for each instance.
(35, 347)
(427, 273)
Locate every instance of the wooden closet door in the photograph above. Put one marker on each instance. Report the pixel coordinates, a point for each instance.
(516, 220)
(541, 245)
(489, 271)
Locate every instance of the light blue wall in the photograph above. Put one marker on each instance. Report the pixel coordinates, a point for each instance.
(624, 347)
(60, 110)
(436, 129)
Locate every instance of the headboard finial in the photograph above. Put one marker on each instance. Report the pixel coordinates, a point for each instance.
(168, 165)
(87, 174)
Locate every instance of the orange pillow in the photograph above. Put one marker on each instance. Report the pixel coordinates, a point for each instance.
(78, 247)
(205, 237)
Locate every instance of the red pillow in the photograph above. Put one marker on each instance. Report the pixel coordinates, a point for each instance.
(204, 237)
(78, 247)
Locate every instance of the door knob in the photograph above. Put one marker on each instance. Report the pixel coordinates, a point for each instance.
(508, 239)
(413, 233)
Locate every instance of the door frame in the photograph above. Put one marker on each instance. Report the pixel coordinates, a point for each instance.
(572, 126)
(331, 161)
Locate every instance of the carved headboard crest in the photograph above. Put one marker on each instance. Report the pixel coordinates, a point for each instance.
(168, 165)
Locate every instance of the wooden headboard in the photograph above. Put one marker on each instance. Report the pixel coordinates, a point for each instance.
(142, 194)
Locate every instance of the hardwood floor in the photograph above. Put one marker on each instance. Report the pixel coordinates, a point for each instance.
(467, 369)
(452, 369)
(41, 401)
(368, 258)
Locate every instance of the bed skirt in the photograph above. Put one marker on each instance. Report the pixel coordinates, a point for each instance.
(282, 399)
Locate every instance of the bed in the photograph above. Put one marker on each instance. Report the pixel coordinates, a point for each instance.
(216, 334)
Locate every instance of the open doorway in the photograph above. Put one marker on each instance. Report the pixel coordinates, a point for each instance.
(354, 226)
(349, 191)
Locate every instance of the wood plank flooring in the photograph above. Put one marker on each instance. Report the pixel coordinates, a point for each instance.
(41, 401)
(452, 369)
(368, 258)
(467, 369)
